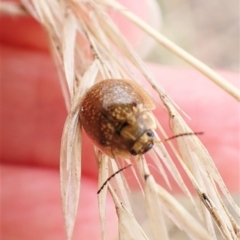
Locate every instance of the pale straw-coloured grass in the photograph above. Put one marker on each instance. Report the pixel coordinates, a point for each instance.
(107, 54)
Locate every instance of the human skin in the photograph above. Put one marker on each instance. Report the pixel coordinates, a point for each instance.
(33, 115)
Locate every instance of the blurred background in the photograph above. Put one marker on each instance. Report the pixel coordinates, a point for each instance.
(209, 30)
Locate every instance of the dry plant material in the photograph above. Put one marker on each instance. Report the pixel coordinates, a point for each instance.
(107, 55)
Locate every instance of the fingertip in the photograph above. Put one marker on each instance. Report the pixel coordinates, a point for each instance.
(30, 194)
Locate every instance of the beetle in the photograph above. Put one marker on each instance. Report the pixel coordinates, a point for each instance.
(117, 116)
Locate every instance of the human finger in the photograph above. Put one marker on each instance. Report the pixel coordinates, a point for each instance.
(31, 204)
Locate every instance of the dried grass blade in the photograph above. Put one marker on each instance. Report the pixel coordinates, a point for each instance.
(180, 216)
(96, 36)
(225, 229)
(103, 175)
(154, 157)
(173, 209)
(226, 192)
(135, 175)
(192, 149)
(70, 170)
(205, 186)
(155, 214)
(45, 15)
(201, 166)
(14, 9)
(235, 225)
(208, 221)
(71, 151)
(219, 212)
(68, 41)
(128, 226)
(86, 82)
(120, 186)
(28, 6)
(169, 163)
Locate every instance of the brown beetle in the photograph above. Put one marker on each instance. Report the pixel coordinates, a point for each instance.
(117, 116)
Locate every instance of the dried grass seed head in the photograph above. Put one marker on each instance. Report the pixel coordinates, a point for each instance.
(117, 116)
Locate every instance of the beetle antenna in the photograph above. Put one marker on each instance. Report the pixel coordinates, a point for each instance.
(109, 178)
(179, 135)
(183, 134)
